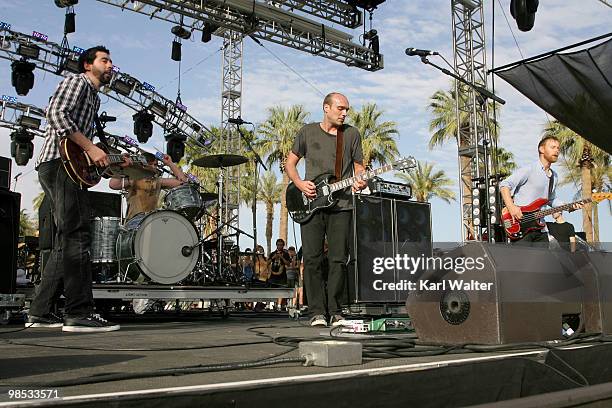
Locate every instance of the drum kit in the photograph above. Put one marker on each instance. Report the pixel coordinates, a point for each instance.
(168, 245)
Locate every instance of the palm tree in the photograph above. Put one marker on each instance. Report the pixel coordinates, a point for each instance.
(377, 139)
(37, 201)
(27, 226)
(505, 162)
(276, 140)
(270, 192)
(444, 125)
(428, 183)
(601, 179)
(583, 154)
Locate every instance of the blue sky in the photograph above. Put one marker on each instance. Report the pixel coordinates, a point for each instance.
(141, 47)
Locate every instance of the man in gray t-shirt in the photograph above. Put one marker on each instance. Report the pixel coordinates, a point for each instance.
(317, 143)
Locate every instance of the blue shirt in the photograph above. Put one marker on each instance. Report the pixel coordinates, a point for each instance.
(530, 183)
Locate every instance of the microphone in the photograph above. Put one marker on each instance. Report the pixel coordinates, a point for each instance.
(238, 121)
(105, 118)
(421, 53)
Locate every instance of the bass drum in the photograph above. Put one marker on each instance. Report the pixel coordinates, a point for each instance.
(151, 244)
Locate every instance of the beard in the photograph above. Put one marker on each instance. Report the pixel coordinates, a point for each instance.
(105, 78)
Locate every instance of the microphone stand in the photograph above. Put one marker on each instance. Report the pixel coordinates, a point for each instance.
(257, 161)
(483, 94)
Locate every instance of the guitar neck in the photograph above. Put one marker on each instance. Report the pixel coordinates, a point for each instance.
(115, 158)
(543, 213)
(366, 175)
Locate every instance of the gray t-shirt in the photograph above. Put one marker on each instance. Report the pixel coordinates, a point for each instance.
(319, 149)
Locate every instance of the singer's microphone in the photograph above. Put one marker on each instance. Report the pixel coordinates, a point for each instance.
(105, 118)
(421, 53)
(237, 121)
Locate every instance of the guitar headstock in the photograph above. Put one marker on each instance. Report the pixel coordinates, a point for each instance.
(597, 197)
(405, 163)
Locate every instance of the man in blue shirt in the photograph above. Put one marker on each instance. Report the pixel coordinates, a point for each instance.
(532, 182)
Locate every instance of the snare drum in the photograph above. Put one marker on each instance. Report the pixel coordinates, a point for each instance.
(152, 244)
(186, 200)
(104, 231)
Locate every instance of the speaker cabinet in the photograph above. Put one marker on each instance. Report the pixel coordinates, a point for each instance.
(386, 228)
(104, 204)
(520, 294)
(597, 276)
(5, 172)
(9, 237)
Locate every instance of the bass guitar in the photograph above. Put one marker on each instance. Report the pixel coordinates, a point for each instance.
(302, 208)
(82, 169)
(532, 215)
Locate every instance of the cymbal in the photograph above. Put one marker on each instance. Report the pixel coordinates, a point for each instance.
(219, 160)
(134, 172)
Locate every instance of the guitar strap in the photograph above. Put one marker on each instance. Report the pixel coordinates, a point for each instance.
(550, 185)
(339, 153)
(100, 130)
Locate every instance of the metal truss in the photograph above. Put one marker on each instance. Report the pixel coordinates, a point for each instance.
(474, 140)
(339, 12)
(124, 88)
(231, 106)
(261, 21)
(11, 112)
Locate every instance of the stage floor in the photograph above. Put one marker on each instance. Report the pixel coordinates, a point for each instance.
(35, 358)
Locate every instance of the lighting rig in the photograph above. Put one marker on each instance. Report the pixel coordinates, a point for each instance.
(25, 122)
(124, 88)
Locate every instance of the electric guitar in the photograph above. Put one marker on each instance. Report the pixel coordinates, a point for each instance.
(532, 215)
(82, 169)
(302, 208)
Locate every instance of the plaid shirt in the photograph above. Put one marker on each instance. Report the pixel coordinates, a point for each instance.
(71, 109)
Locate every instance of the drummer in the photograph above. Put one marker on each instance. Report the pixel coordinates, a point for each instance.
(143, 194)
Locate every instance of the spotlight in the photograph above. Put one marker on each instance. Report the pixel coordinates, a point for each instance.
(121, 87)
(370, 34)
(29, 122)
(181, 32)
(70, 23)
(176, 50)
(28, 50)
(158, 108)
(22, 147)
(366, 4)
(524, 12)
(175, 148)
(143, 125)
(22, 77)
(207, 31)
(65, 3)
(71, 65)
(372, 37)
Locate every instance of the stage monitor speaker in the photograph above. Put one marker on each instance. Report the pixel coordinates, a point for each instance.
(596, 273)
(386, 228)
(9, 237)
(5, 172)
(510, 294)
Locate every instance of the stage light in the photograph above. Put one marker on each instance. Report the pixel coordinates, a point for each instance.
(143, 125)
(121, 87)
(181, 32)
(524, 11)
(71, 65)
(28, 50)
(22, 147)
(65, 3)
(366, 4)
(207, 31)
(70, 23)
(176, 50)
(175, 147)
(29, 122)
(22, 77)
(158, 108)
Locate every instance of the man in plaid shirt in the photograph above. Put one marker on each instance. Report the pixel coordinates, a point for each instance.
(71, 114)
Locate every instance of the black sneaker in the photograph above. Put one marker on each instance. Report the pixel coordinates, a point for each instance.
(89, 324)
(49, 321)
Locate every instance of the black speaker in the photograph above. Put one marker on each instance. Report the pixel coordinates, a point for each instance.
(9, 236)
(509, 294)
(5, 172)
(386, 229)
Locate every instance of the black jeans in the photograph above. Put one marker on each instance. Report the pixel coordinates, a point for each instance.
(70, 259)
(326, 297)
